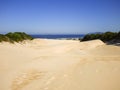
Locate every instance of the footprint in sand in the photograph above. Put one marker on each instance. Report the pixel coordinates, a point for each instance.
(25, 78)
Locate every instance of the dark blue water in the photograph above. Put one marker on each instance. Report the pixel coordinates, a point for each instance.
(58, 36)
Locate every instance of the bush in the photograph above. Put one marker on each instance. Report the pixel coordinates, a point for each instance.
(3, 38)
(107, 36)
(91, 37)
(16, 36)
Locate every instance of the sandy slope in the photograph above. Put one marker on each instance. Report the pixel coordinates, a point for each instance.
(44, 64)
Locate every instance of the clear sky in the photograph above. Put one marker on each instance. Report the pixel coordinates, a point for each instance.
(59, 16)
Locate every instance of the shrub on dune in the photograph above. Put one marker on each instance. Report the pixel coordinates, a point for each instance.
(15, 37)
(3, 38)
(107, 36)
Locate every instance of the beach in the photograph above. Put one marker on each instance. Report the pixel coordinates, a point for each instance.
(48, 64)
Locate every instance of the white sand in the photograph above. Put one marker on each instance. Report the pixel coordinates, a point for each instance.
(44, 64)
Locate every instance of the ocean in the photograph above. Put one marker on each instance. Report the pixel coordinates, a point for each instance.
(60, 36)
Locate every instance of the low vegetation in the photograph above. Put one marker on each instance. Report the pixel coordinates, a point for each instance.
(105, 37)
(15, 37)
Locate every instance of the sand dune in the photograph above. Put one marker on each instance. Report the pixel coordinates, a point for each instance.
(43, 64)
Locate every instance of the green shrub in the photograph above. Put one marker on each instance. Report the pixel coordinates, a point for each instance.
(3, 38)
(15, 37)
(107, 36)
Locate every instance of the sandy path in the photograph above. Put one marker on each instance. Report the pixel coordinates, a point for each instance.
(44, 64)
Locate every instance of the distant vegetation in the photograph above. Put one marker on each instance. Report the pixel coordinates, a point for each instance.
(15, 37)
(105, 37)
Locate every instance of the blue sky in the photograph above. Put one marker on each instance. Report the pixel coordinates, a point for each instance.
(59, 16)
